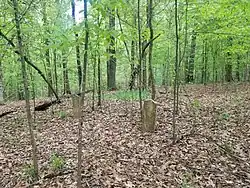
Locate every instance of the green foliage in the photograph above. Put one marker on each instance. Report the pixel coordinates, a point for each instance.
(57, 163)
(214, 21)
(62, 114)
(29, 173)
(187, 181)
(125, 95)
(225, 116)
(196, 104)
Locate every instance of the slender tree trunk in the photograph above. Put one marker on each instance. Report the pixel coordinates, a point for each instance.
(238, 68)
(55, 69)
(66, 85)
(190, 74)
(78, 57)
(228, 65)
(99, 66)
(26, 88)
(1, 82)
(248, 69)
(94, 82)
(85, 57)
(176, 72)
(214, 64)
(144, 66)
(132, 65)
(99, 80)
(83, 88)
(47, 51)
(204, 63)
(228, 68)
(140, 55)
(151, 80)
(111, 63)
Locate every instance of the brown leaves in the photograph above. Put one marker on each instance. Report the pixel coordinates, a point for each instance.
(117, 154)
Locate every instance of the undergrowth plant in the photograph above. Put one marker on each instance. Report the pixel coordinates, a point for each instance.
(62, 114)
(187, 181)
(29, 173)
(57, 163)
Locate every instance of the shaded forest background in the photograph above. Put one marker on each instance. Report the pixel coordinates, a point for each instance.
(212, 39)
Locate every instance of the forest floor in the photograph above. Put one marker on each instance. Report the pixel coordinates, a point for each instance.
(117, 154)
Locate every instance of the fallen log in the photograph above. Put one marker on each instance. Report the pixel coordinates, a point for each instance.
(6, 113)
(46, 105)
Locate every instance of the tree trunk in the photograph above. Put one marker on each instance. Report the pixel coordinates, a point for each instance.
(94, 82)
(132, 66)
(26, 88)
(83, 88)
(228, 65)
(66, 85)
(99, 80)
(111, 63)
(78, 57)
(150, 51)
(175, 109)
(140, 55)
(190, 73)
(99, 66)
(144, 66)
(85, 57)
(228, 68)
(238, 68)
(149, 116)
(1, 82)
(204, 62)
(47, 51)
(55, 69)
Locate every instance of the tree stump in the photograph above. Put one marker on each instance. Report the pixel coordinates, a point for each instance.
(149, 115)
(76, 106)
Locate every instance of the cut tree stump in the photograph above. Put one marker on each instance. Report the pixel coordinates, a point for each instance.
(76, 105)
(149, 116)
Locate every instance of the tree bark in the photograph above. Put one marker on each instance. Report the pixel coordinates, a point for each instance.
(26, 88)
(99, 80)
(47, 51)
(66, 85)
(99, 66)
(175, 109)
(55, 70)
(238, 68)
(204, 63)
(150, 51)
(78, 56)
(85, 57)
(1, 82)
(83, 88)
(132, 66)
(111, 63)
(140, 52)
(190, 73)
(149, 116)
(228, 65)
